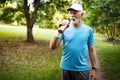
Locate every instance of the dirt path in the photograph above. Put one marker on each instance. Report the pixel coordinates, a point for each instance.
(100, 75)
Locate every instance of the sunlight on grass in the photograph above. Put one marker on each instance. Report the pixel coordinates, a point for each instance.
(45, 34)
(17, 31)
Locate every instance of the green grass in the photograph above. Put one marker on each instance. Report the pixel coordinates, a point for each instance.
(35, 61)
(27, 61)
(43, 34)
(109, 56)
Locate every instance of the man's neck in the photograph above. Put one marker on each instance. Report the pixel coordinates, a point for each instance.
(77, 24)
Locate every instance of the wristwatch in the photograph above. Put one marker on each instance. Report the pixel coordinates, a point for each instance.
(94, 68)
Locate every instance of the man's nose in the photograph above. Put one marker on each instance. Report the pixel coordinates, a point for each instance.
(71, 15)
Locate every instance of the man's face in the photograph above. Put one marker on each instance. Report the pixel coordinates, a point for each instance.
(75, 16)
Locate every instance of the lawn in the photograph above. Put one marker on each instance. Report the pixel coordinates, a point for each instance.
(35, 61)
(27, 61)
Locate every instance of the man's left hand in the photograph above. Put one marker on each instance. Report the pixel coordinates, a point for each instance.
(93, 74)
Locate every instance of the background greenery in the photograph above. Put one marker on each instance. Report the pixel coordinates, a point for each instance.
(34, 61)
(103, 16)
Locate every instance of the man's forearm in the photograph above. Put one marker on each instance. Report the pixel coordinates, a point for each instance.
(53, 43)
(93, 56)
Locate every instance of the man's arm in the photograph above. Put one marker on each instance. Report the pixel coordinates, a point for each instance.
(92, 53)
(54, 41)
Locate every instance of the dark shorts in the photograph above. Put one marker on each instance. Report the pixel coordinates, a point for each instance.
(74, 75)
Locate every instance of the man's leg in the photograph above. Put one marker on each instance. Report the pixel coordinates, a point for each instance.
(66, 75)
(80, 75)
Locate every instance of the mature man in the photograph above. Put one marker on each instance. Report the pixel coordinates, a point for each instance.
(77, 37)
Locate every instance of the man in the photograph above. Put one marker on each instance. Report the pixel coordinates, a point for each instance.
(76, 38)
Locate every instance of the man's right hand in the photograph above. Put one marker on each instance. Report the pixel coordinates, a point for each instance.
(63, 25)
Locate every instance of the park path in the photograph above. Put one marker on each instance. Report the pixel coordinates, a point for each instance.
(100, 74)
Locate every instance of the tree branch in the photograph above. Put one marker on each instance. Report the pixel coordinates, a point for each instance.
(34, 13)
(26, 11)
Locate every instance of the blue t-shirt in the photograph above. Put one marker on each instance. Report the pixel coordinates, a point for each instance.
(75, 42)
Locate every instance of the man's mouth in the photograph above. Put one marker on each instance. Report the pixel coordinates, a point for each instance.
(73, 19)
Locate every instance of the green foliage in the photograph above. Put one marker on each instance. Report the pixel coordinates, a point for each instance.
(2, 1)
(8, 14)
(48, 10)
(19, 17)
(45, 14)
(104, 15)
(51, 25)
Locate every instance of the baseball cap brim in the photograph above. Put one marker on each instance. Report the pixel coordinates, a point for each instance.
(69, 9)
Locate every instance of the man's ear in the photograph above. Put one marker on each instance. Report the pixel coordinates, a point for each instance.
(82, 14)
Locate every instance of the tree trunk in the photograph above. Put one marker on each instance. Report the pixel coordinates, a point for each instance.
(30, 20)
(30, 37)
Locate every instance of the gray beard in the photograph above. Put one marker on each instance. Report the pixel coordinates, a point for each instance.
(75, 21)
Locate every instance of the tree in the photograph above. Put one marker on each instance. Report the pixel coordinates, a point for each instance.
(30, 19)
(42, 7)
(104, 15)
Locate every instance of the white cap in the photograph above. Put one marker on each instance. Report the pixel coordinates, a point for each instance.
(77, 7)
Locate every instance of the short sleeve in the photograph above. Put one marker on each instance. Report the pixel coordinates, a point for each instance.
(61, 37)
(91, 37)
